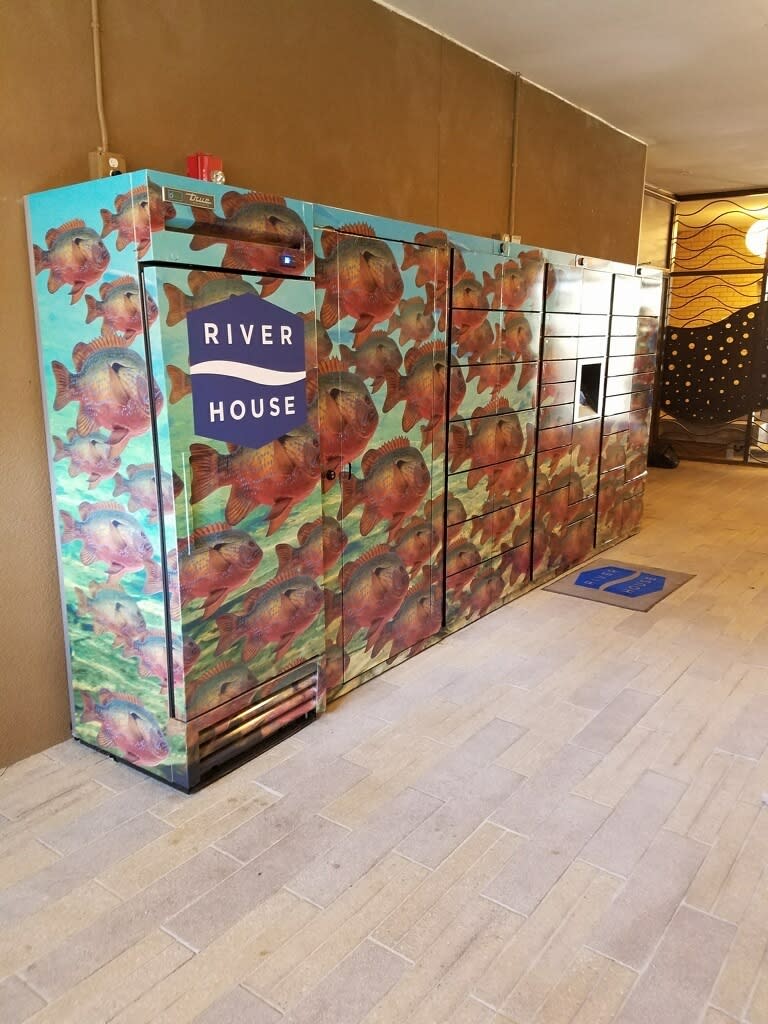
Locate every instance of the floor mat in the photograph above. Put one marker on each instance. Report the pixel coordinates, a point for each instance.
(638, 587)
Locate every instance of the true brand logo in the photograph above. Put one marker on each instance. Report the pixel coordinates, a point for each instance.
(247, 370)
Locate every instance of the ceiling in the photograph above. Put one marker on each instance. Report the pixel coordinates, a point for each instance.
(688, 77)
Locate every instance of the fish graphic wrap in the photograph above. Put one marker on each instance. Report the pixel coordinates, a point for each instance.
(111, 384)
(126, 726)
(75, 256)
(120, 306)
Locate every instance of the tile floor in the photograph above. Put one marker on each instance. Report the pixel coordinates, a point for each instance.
(558, 815)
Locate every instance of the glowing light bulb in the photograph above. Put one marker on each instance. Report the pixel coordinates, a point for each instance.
(756, 238)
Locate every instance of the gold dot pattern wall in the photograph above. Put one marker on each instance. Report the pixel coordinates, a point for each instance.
(713, 314)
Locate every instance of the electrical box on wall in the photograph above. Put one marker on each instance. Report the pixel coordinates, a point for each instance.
(104, 165)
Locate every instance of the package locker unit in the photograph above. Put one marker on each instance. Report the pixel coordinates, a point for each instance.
(495, 322)
(629, 387)
(574, 352)
(226, 569)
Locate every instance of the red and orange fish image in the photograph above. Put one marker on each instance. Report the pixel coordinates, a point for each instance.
(517, 337)
(179, 383)
(510, 481)
(156, 578)
(108, 534)
(396, 479)
(137, 214)
(461, 557)
(485, 591)
(420, 617)
(423, 386)
(140, 483)
(415, 544)
(320, 546)
(374, 587)
(207, 287)
(434, 510)
(374, 359)
(92, 455)
(317, 341)
(343, 414)
(120, 305)
(517, 563)
(75, 255)
(223, 681)
(494, 438)
(553, 470)
(110, 383)
(578, 542)
(113, 612)
(152, 652)
(277, 613)
(261, 232)
(614, 453)
(335, 665)
(552, 510)
(431, 254)
(215, 561)
(473, 343)
(435, 434)
(528, 372)
(470, 306)
(488, 524)
(360, 277)
(126, 726)
(191, 653)
(494, 373)
(413, 320)
(512, 282)
(279, 475)
(507, 277)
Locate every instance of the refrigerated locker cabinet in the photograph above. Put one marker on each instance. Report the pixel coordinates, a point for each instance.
(292, 445)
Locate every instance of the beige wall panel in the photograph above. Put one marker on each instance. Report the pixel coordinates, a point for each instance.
(475, 143)
(655, 230)
(579, 181)
(47, 124)
(334, 102)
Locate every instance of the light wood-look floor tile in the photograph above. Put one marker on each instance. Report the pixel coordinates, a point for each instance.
(557, 816)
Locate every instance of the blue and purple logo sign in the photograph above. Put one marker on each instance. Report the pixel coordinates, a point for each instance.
(247, 369)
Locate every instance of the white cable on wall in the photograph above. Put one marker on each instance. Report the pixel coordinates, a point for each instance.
(96, 30)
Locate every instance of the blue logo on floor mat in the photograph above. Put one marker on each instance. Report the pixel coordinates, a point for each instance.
(595, 579)
(639, 584)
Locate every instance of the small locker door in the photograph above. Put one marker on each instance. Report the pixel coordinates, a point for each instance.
(243, 565)
(381, 423)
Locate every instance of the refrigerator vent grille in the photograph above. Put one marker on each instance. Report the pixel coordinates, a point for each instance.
(239, 734)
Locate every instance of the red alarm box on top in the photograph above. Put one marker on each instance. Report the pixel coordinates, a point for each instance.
(205, 167)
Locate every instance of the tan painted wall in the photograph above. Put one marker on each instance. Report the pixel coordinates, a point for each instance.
(341, 102)
(579, 181)
(655, 229)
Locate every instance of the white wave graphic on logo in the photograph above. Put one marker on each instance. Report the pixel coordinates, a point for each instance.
(243, 371)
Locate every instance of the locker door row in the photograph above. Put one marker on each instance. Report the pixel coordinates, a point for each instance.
(574, 354)
(628, 405)
(379, 409)
(495, 327)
